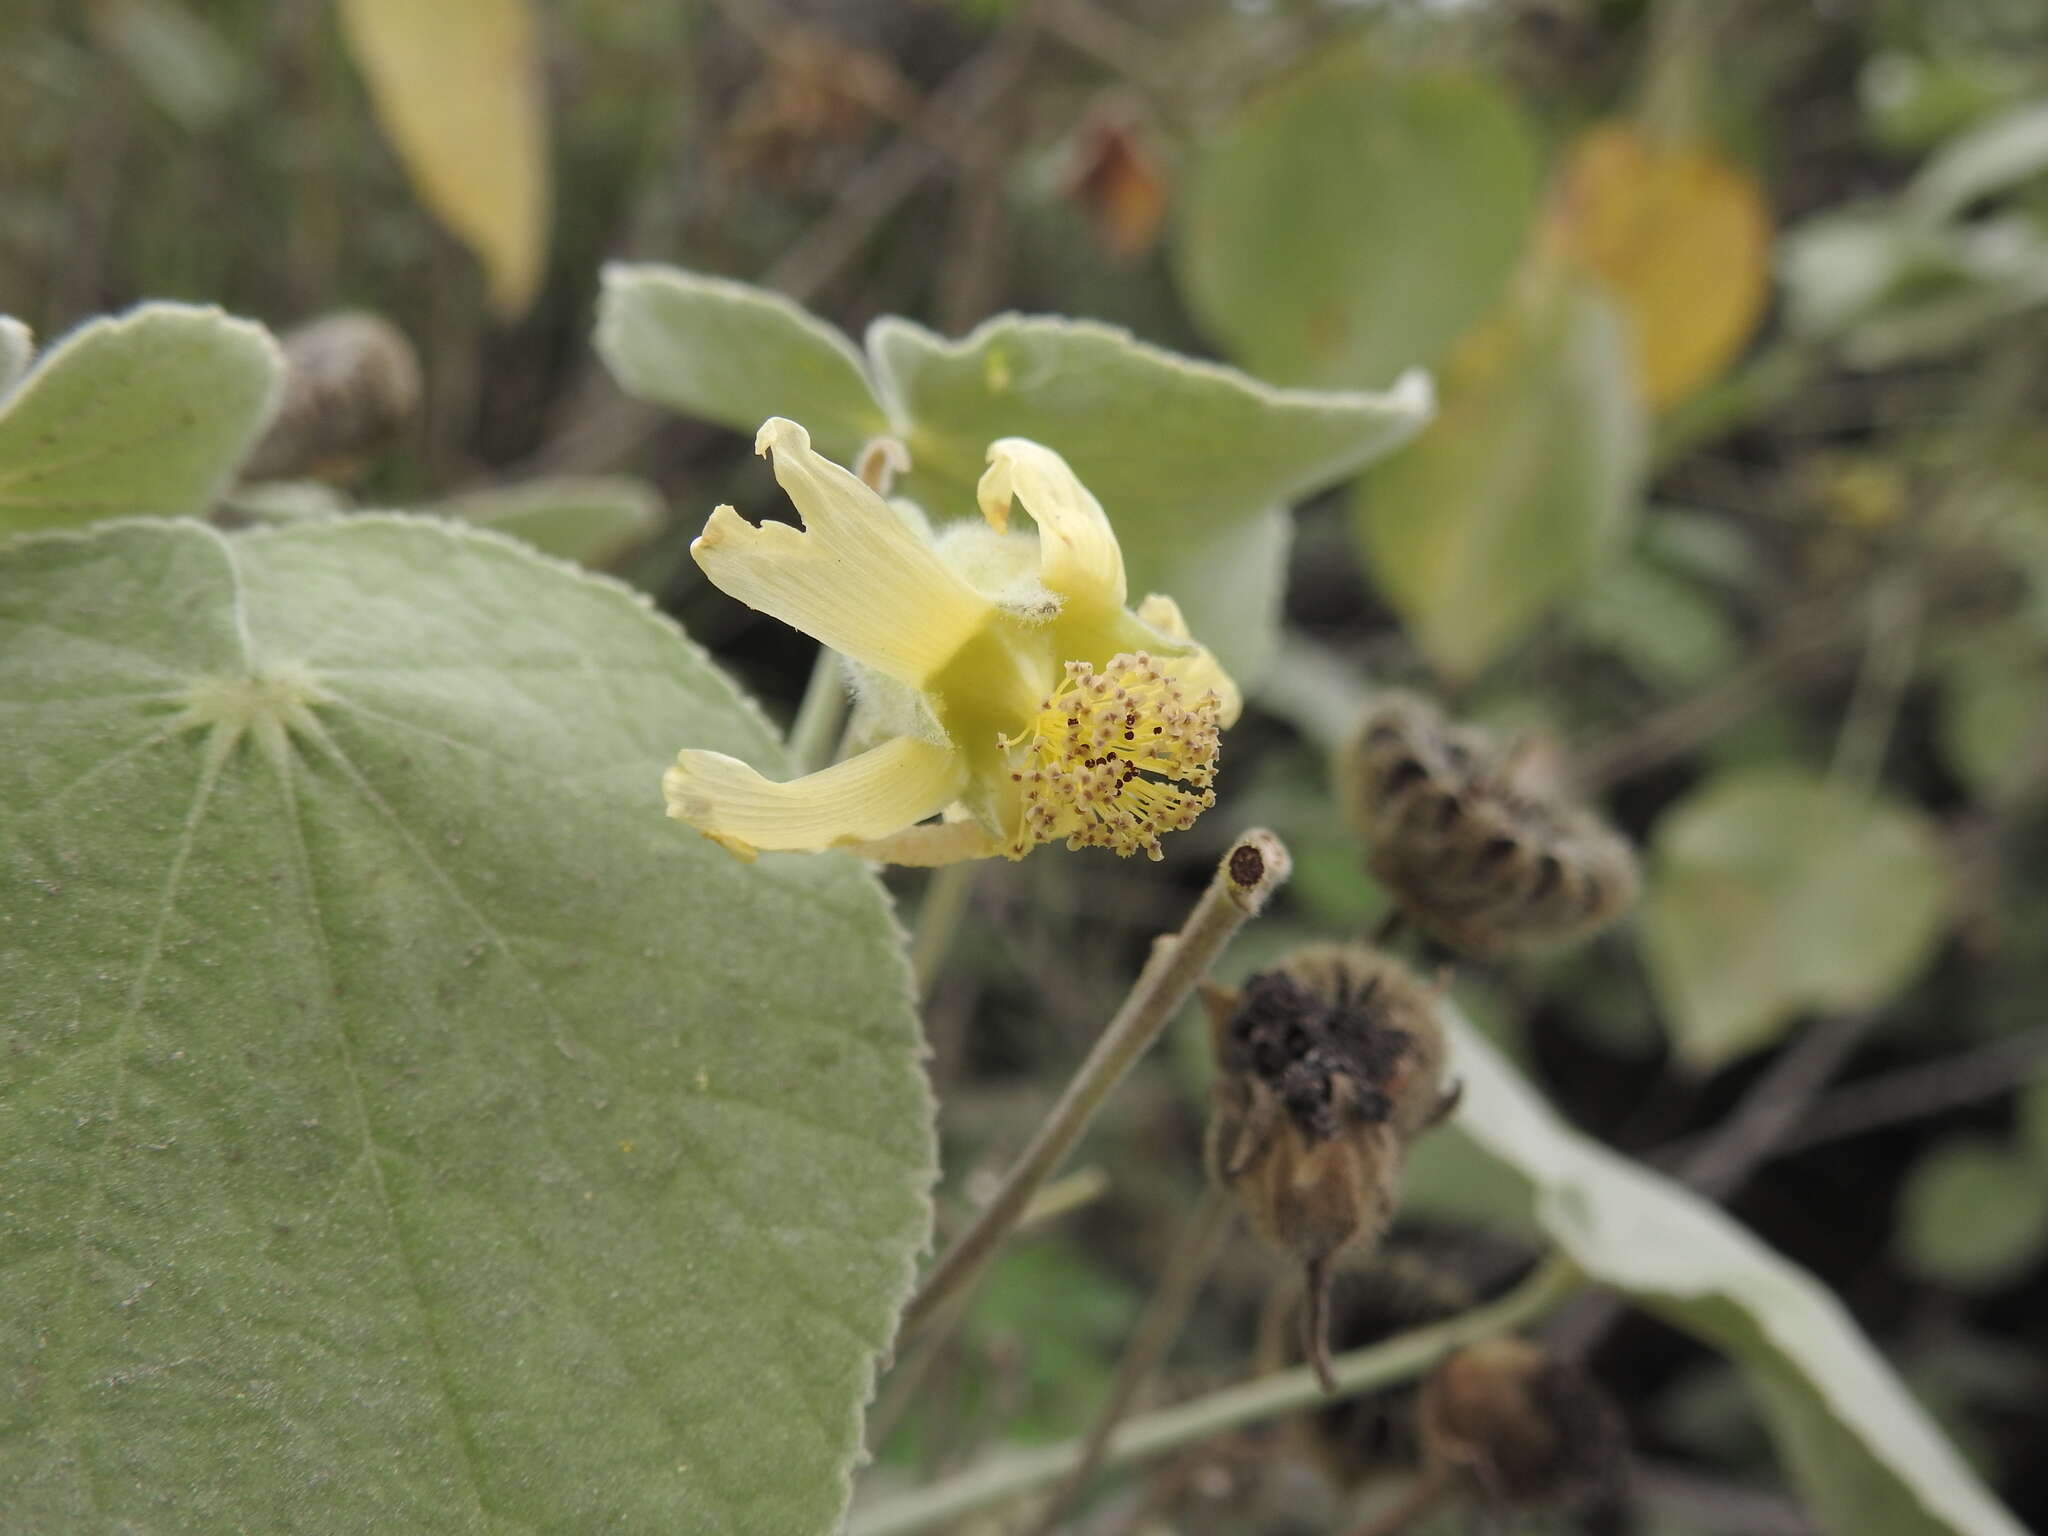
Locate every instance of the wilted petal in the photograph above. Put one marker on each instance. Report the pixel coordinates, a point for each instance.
(1199, 670)
(879, 792)
(858, 577)
(1078, 553)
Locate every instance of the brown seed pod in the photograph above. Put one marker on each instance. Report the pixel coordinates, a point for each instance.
(1520, 1429)
(1327, 1067)
(1476, 860)
(1356, 1440)
(351, 382)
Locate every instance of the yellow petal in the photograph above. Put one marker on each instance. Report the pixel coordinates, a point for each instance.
(940, 842)
(858, 578)
(1078, 554)
(1200, 670)
(883, 790)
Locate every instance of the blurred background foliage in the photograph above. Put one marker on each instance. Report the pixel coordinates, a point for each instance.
(1735, 515)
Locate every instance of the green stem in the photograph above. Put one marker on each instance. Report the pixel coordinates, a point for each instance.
(1256, 865)
(1180, 1285)
(946, 896)
(1251, 1402)
(814, 734)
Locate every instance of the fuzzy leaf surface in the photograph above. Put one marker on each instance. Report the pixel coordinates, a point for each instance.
(1188, 458)
(590, 519)
(402, 1125)
(148, 411)
(734, 354)
(1867, 1455)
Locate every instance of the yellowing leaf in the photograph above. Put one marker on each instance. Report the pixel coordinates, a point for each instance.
(1525, 479)
(457, 89)
(1683, 240)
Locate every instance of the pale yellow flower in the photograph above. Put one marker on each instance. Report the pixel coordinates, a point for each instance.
(1000, 677)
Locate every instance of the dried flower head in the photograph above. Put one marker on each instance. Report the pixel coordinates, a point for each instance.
(1014, 690)
(1328, 1066)
(1475, 859)
(351, 383)
(1358, 1439)
(1520, 1428)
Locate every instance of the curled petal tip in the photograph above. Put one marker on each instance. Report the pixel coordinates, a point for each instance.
(782, 435)
(995, 490)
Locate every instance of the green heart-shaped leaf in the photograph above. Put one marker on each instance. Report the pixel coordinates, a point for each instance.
(1772, 892)
(1195, 463)
(1973, 1213)
(403, 1126)
(1353, 221)
(734, 354)
(1189, 459)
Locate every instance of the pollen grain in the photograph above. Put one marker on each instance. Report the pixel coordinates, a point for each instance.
(1115, 758)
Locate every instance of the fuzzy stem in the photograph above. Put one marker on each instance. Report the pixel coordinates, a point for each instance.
(1253, 869)
(1251, 1402)
(814, 734)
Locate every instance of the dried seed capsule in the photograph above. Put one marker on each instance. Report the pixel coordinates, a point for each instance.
(1478, 861)
(1356, 1440)
(1520, 1429)
(351, 382)
(1327, 1067)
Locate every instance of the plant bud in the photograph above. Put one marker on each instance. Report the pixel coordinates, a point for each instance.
(1477, 860)
(351, 381)
(1520, 1429)
(1327, 1067)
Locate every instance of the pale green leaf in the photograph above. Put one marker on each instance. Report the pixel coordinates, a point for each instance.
(17, 346)
(1991, 724)
(1525, 478)
(1869, 1458)
(458, 90)
(592, 520)
(1773, 892)
(1187, 457)
(180, 60)
(1195, 463)
(149, 411)
(735, 355)
(403, 1126)
(2011, 148)
(1973, 1213)
(1354, 221)
(1665, 629)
